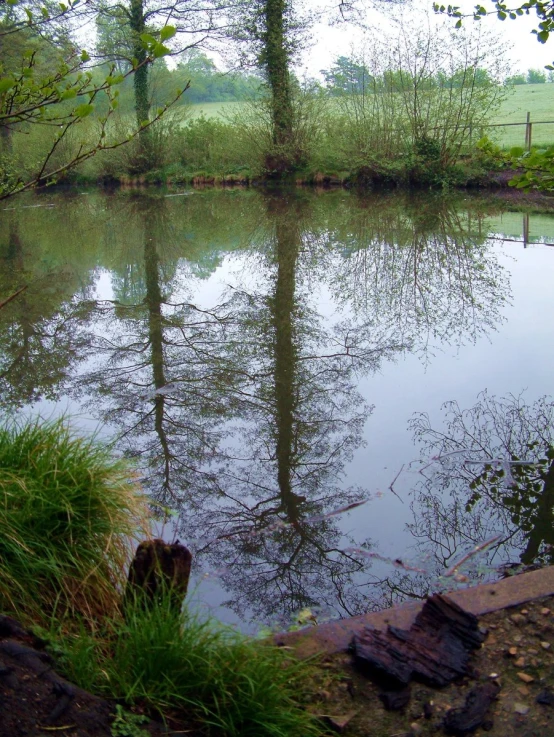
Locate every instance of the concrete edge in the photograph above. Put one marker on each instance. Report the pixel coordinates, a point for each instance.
(334, 637)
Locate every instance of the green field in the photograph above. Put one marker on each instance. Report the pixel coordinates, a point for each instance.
(537, 99)
(214, 109)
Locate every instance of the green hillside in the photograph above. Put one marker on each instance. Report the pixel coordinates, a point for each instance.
(537, 99)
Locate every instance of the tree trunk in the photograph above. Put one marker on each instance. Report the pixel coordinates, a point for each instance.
(275, 59)
(140, 78)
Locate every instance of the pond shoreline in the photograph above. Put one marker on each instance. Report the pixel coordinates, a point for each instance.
(493, 184)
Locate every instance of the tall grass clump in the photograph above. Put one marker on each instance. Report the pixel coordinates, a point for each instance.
(67, 512)
(200, 672)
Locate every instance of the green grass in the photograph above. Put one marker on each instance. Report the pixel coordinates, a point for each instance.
(538, 99)
(67, 513)
(205, 674)
(214, 109)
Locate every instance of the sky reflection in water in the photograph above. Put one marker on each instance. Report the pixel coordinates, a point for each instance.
(261, 358)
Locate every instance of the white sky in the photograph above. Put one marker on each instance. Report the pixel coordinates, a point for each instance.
(522, 48)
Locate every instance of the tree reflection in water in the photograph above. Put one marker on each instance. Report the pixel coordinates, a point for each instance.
(491, 477)
(244, 414)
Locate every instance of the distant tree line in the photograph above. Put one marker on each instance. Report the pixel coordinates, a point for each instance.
(533, 76)
(348, 76)
(206, 82)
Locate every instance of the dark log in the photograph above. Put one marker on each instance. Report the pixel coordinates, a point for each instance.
(160, 568)
(395, 700)
(466, 719)
(435, 650)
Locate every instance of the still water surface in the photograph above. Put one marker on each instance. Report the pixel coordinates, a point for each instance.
(267, 359)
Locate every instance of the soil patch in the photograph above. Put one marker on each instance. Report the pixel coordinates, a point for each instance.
(37, 702)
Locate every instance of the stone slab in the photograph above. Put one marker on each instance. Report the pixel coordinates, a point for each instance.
(334, 637)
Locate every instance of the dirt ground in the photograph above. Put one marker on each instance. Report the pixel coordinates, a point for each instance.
(36, 702)
(517, 654)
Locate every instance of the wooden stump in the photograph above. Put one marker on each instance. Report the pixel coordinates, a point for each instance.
(160, 568)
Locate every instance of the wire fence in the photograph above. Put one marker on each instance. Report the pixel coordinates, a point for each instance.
(507, 135)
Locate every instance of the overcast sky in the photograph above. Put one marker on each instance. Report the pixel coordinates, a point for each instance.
(522, 48)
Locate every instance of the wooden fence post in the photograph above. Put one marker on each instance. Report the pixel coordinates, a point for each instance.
(528, 132)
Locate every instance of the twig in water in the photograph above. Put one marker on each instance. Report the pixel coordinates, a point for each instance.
(393, 482)
(477, 549)
(13, 296)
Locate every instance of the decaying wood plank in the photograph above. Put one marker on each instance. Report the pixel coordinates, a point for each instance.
(435, 650)
(160, 567)
(472, 714)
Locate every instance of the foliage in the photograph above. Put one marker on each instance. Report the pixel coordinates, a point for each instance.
(58, 93)
(254, 123)
(536, 76)
(425, 98)
(127, 724)
(67, 509)
(538, 168)
(211, 675)
(537, 164)
(516, 79)
(346, 76)
(543, 10)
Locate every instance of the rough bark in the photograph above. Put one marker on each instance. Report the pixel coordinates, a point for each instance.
(275, 59)
(473, 713)
(140, 77)
(160, 568)
(435, 650)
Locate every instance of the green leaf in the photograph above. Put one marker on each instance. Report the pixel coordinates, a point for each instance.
(85, 55)
(543, 36)
(167, 32)
(68, 94)
(458, 24)
(81, 111)
(517, 151)
(501, 15)
(6, 83)
(147, 39)
(160, 50)
(114, 80)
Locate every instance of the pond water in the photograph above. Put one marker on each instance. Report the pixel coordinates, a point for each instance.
(267, 360)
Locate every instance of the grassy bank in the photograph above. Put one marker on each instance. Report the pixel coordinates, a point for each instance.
(329, 145)
(69, 516)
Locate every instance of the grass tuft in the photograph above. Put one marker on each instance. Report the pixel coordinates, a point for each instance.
(67, 512)
(175, 663)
